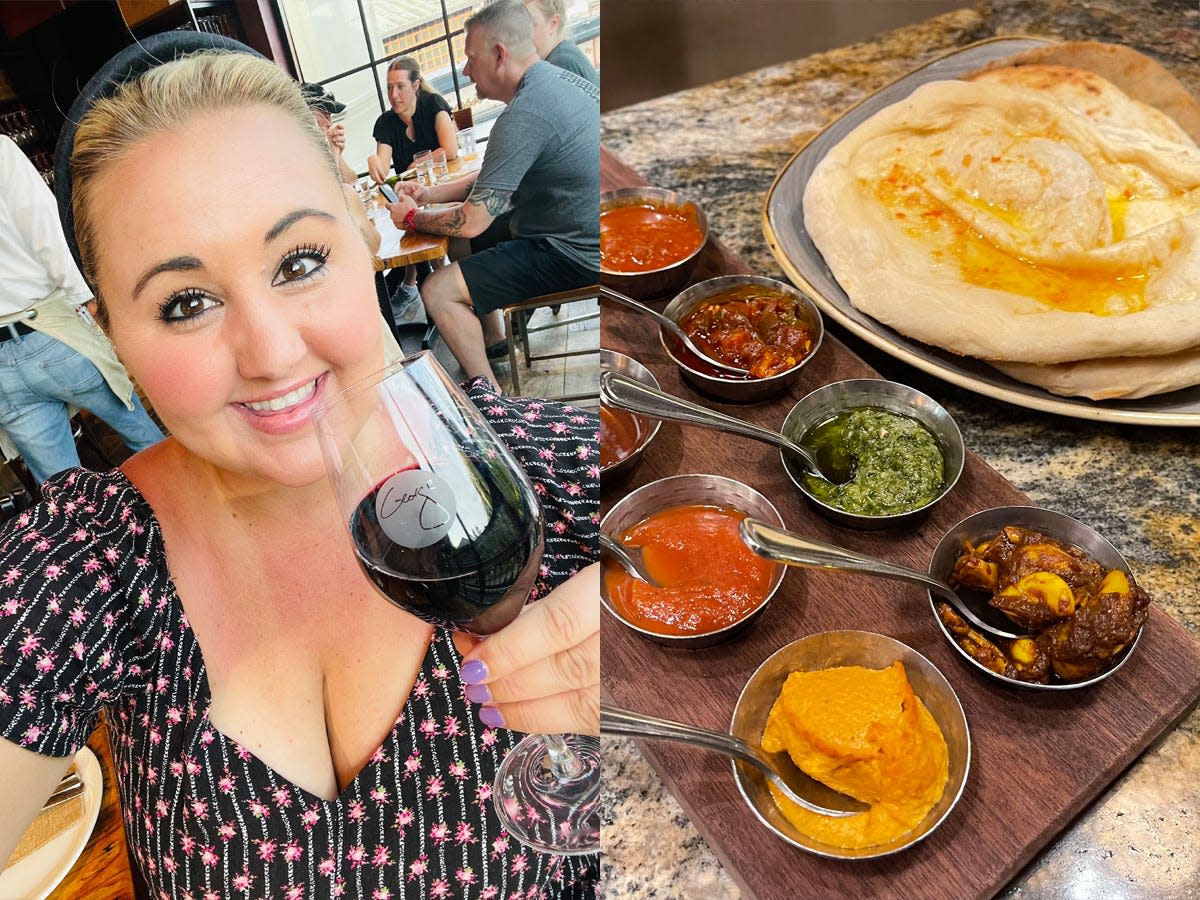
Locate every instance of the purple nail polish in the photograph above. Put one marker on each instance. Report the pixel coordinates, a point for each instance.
(489, 715)
(474, 671)
(478, 693)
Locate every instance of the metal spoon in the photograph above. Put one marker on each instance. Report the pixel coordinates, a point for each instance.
(625, 393)
(671, 326)
(783, 546)
(629, 562)
(777, 767)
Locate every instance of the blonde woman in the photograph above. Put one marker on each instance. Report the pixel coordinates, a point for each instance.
(279, 730)
(552, 39)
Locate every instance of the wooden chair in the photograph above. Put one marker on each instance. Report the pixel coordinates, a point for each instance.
(518, 330)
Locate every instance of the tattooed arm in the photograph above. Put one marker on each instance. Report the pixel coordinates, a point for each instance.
(467, 219)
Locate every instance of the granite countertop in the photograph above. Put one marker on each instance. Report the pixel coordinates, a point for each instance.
(1136, 485)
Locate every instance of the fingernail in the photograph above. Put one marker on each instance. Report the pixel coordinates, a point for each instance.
(489, 715)
(474, 671)
(478, 693)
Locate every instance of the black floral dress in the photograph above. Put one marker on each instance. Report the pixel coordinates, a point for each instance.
(89, 619)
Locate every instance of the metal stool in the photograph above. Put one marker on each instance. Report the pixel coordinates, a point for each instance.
(517, 330)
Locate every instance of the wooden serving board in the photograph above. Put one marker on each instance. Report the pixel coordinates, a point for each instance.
(1039, 758)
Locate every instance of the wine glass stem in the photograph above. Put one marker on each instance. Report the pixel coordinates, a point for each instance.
(563, 762)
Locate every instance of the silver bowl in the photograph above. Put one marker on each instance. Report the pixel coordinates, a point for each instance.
(849, 648)
(664, 281)
(681, 490)
(825, 402)
(1054, 525)
(612, 361)
(739, 390)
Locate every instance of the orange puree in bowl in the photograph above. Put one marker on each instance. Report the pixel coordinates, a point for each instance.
(710, 578)
(865, 733)
(643, 237)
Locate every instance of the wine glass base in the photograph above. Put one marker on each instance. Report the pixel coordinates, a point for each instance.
(545, 810)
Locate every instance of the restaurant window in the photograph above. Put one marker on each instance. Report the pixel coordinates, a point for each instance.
(346, 46)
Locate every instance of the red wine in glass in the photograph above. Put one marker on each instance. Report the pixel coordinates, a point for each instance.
(477, 572)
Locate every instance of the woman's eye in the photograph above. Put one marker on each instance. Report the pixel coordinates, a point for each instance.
(185, 305)
(301, 264)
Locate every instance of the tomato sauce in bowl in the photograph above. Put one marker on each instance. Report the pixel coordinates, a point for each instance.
(620, 434)
(751, 326)
(710, 579)
(646, 237)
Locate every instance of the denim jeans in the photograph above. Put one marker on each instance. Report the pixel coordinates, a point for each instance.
(39, 376)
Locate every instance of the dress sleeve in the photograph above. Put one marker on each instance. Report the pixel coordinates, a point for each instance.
(557, 446)
(62, 620)
(382, 133)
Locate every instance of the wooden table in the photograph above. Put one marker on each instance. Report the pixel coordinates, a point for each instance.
(103, 871)
(398, 248)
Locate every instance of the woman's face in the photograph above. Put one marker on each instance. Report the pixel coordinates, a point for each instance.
(402, 91)
(239, 292)
(545, 31)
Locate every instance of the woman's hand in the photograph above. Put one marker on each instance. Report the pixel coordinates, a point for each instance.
(377, 169)
(541, 674)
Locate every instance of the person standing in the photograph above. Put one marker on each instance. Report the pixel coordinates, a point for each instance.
(52, 355)
(550, 36)
(542, 163)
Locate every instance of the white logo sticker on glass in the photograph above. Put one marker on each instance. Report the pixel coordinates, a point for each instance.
(415, 508)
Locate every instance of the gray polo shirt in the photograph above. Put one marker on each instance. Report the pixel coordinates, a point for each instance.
(546, 148)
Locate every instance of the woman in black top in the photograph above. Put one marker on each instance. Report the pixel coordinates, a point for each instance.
(418, 120)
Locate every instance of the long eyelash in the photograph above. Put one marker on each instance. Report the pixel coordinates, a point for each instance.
(174, 300)
(320, 251)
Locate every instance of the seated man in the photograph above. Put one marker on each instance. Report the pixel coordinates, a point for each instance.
(543, 161)
(324, 106)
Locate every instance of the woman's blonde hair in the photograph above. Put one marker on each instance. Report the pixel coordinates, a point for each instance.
(552, 8)
(164, 99)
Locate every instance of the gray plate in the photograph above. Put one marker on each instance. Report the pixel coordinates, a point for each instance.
(783, 226)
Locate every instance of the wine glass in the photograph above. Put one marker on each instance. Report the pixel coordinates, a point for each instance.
(448, 526)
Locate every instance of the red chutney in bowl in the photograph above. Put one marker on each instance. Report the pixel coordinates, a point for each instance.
(752, 327)
(644, 237)
(620, 434)
(710, 579)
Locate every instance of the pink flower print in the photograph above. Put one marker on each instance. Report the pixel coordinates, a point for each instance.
(382, 856)
(104, 583)
(27, 699)
(464, 834)
(208, 856)
(225, 783)
(266, 850)
(32, 733)
(161, 684)
(412, 764)
(584, 451)
(326, 866)
(546, 453)
(489, 893)
(379, 795)
(211, 895)
(152, 775)
(243, 882)
(259, 810)
(200, 809)
(206, 737)
(578, 420)
(105, 659)
(282, 797)
(544, 571)
(466, 876)
(559, 428)
(530, 415)
(226, 831)
(519, 864)
(11, 576)
(5, 697)
(440, 888)
(78, 616)
(161, 808)
(559, 527)
(452, 728)
(441, 673)
(293, 892)
(155, 736)
(92, 565)
(500, 846)
(339, 887)
(436, 787)
(593, 471)
(11, 607)
(356, 811)
(170, 865)
(519, 431)
(428, 728)
(539, 488)
(111, 554)
(404, 818)
(109, 620)
(483, 793)
(143, 598)
(356, 855)
(458, 769)
(176, 768)
(167, 642)
(29, 644)
(439, 832)
(381, 893)
(574, 489)
(489, 738)
(418, 867)
(174, 715)
(311, 816)
(45, 663)
(242, 753)
(380, 755)
(496, 410)
(292, 851)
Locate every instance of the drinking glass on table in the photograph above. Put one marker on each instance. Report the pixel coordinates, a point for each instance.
(466, 143)
(448, 526)
(441, 169)
(423, 164)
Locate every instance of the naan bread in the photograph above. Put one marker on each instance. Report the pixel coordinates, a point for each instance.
(1117, 378)
(999, 223)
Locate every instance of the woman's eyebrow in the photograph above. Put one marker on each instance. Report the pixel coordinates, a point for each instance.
(176, 264)
(291, 219)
